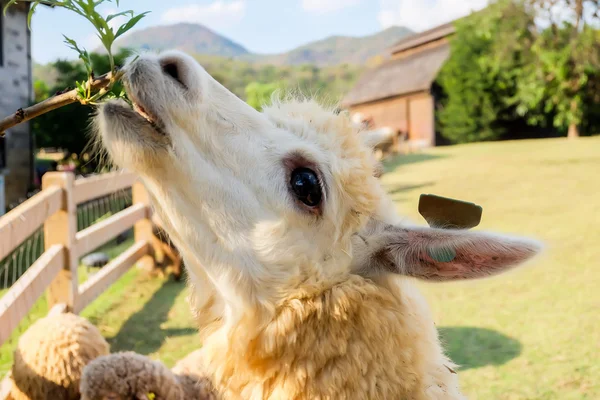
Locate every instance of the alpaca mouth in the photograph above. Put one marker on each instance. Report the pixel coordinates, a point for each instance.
(155, 122)
(144, 114)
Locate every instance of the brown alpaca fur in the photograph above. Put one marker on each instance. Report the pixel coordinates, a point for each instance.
(51, 355)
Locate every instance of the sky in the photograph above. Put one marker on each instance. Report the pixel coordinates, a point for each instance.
(262, 26)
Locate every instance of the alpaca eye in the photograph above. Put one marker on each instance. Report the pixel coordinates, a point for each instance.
(306, 186)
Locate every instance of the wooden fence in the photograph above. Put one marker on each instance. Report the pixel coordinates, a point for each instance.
(55, 272)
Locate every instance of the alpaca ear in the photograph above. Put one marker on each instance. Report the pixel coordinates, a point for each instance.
(373, 138)
(437, 254)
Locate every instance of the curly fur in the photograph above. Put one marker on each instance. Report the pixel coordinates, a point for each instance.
(189, 369)
(51, 356)
(127, 375)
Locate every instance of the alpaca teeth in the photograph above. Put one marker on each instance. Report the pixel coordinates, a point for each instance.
(140, 110)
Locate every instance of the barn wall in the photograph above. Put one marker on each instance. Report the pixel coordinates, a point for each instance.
(15, 87)
(422, 120)
(392, 113)
(413, 114)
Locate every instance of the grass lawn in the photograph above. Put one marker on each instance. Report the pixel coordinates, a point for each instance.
(533, 333)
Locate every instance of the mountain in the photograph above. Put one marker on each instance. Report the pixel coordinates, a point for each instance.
(197, 39)
(336, 50)
(191, 38)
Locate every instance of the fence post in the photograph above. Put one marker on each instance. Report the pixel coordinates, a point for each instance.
(61, 228)
(143, 229)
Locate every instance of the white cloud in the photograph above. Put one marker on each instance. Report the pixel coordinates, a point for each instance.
(326, 6)
(425, 14)
(216, 15)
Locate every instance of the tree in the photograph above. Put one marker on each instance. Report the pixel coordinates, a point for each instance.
(479, 80)
(259, 94)
(567, 56)
(67, 126)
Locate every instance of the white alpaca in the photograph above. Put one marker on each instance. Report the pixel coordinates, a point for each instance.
(295, 252)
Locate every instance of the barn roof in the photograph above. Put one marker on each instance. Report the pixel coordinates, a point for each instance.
(410, 74)
(419, 39)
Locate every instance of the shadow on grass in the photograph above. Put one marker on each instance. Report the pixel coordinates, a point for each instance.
(396, 189)
(405, 159)
(142, 332)
(478, 347)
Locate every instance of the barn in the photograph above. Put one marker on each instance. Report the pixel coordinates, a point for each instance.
(400, 95)
(16, 149)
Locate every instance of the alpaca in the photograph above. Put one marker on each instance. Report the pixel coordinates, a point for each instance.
(51, 355)
(127, 375)
(280, 217)
(64, 357)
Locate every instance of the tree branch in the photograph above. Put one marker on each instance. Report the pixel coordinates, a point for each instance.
(54, 102)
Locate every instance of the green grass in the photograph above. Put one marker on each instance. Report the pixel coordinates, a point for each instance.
(533, 333)
(148, 315)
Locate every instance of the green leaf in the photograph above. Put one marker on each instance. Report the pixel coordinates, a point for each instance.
(72, 44)
(10, 3)
(30, 15)
(81, 90)
(84, 55)
(112, 16)
(130, 24)
(107, 41)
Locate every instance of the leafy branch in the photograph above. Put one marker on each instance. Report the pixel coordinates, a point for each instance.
(93, 89)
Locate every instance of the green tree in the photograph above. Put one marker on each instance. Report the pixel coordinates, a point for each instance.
(40, 90)
(259, 94)
(67, 127)
(479, 81)
(563, 77)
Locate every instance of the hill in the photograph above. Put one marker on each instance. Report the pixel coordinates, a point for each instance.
(336, 50)
(45, 72)
(191, 38)
(197, 39)
(331, 82)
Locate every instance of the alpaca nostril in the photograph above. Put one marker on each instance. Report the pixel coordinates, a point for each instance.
(172, 69)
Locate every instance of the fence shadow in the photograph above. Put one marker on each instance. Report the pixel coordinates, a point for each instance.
(142, 332)
(404, 159)
(397, 189)
(471, 347)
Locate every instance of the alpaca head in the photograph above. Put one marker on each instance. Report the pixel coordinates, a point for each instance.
(264, 203)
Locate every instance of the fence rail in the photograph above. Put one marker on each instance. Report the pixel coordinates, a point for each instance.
(67, 238)
(98, 234)
(24, 220)
(24, 293)
(111, 272)
(101, 185)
